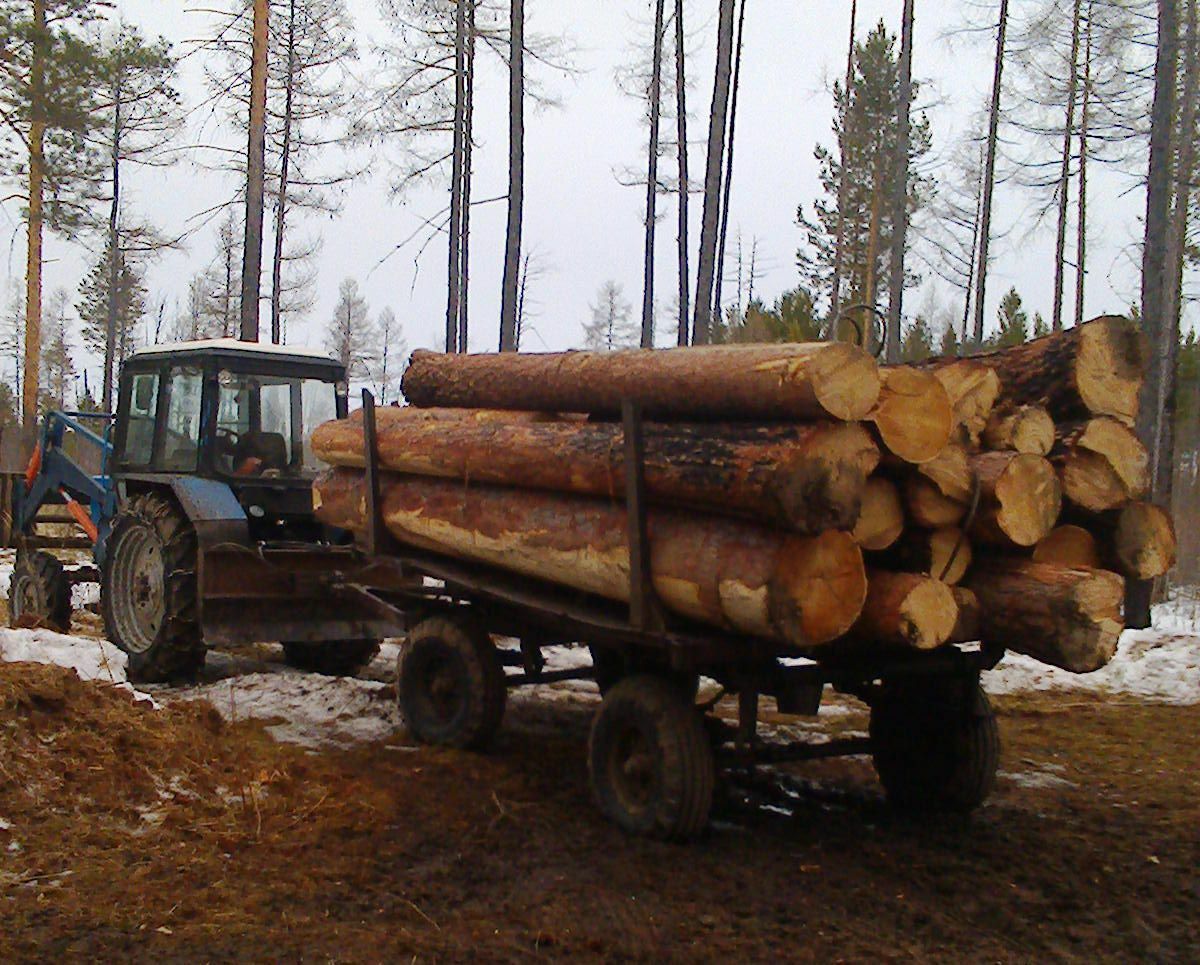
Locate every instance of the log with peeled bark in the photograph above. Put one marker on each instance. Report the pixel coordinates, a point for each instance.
(1101, 463)
(970, 617)
(1020, 498)
(944, 554)
(800, 591)
(1066, 617)
(1068, 545)
(1021, 428)
(972, 388)
(906, 610)
(1093, 369)
(913, 414)
(743, 382)
(805, 477)
(881, 520)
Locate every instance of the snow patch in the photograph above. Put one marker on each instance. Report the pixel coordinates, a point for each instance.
(90, 659)
(307, 709)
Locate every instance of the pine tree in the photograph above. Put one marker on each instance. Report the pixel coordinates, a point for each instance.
(348, 337)
(611, 326)
(58, 367)
(95, 292)
(918, 340)
(387, 356)
(867, 130)
(1013, 321)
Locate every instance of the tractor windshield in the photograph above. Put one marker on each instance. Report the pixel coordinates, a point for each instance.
(265, 424)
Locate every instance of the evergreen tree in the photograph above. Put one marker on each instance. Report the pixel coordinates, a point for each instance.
(1013, 321)
(949, 344)
(1040, 327)
(58, 367)
(348, 337)
(792, 318)
(611, 326)
(867, 130)
(94, 299)
(918, 340)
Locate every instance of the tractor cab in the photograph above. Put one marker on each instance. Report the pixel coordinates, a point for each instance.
(239, 414)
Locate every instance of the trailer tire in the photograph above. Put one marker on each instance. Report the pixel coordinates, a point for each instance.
(39, 593)
(610, 667)
(450, 684)
(650, 759)
(343, 658)
(148, 590)
(935, 745)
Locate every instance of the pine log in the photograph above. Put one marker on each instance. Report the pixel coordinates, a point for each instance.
(1066, 617)
(881, 520)
(1144, 541)
(1020, 498)
(943, 554)
(1093, 369)
(950, 470)
(808, 478)
(970, 616)
(928, 506)
(1101, 463)
(741, 382)
(913, 414)
(1021, 428)
(906, 610)
(972, 388)
(800, 591)
(1068, 545)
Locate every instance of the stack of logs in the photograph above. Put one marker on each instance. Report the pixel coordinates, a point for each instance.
(798, 493)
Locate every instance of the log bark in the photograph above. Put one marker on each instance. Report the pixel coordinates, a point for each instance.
(913, 414)
(882, 518)
(1066, 617)
(943, 554)
(1093, 369)
(1020, 498)
(1101, 463)
(799, 591)
(973, 388)
(928, 506)
(1021, 428)
(906, 610)
(807, 478)
(1068, 545)
(745, 382)
(970, 616)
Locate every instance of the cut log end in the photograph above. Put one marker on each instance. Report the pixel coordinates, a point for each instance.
(845, 380)
(1108, 370)
(818, 590)
(1068, 545)
(949, 554)
(913, 415)
(1145, 541)
(907, 610)
(972, 388)
(1022, 428)
(1022, 495)
(928, 506)
(881, 520)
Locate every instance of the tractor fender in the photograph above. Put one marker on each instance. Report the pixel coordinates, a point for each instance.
(213, 510)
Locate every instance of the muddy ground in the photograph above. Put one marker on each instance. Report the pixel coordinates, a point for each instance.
(133, 833)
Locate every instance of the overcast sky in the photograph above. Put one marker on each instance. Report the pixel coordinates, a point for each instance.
(582, 224)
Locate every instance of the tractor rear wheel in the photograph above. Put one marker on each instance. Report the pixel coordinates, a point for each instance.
(39, 593)
(148, 590)
(343, 658)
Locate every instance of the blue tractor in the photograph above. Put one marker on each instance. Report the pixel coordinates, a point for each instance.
(206, 463)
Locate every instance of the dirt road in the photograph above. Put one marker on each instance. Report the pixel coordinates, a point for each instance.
(169, 835)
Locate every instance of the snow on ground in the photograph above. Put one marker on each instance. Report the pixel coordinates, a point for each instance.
(90, 659)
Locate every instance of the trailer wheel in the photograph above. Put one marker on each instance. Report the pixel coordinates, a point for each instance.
(343, 658)
(450, 684)
(610, 666)
(148, 590)
(39, 593)
(935, 743)
(650, 759)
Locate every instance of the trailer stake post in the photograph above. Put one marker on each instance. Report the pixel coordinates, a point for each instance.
(377, 539)
(644, 610)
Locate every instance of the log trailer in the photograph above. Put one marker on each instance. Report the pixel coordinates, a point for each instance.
(203, 535)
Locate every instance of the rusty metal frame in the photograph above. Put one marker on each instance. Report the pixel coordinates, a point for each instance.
(645, 611)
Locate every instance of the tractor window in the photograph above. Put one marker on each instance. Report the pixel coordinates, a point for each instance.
(139, 431)
(319, 406)
(182, 442)
(260, 425)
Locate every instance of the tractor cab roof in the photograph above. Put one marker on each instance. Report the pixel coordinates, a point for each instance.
(234, 349)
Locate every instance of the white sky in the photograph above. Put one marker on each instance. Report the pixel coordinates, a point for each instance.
(583, 225)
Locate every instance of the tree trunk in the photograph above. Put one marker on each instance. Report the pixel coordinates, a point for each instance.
(516, 177)
(681, 336)
(1101, 463)
(1155, 416)
(33, 253)
(284, 175)
(1085, 106)
(839, 244)
(899, 199)
(647, 339)
(468, 174)
(454, 268)
(744, 382)
(797, 590)
(913, 415)
(1021, 428)
(728, 180)
(1064, 174)
(906, 610)
(114, 257)
(989, 176)
(1068, 618)
(881, 520)
(255, 176)
(1020, 498)
(1068, 545)
(702, 324)
(807, 478)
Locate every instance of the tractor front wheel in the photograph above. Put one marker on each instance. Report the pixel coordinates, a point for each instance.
(39, 593)
(148, 590)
